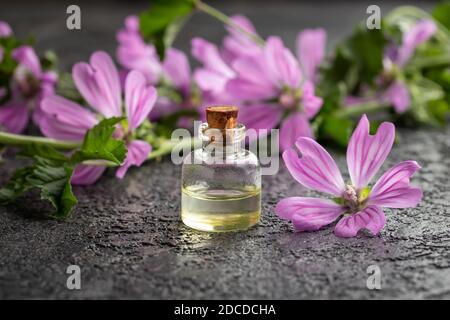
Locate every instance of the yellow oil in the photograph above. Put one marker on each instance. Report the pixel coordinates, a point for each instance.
(220, 210)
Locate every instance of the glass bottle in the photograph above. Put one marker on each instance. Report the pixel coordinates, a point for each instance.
(221, 181)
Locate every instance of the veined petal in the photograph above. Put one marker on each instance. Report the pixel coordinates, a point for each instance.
(310, 102)
(84, 175)
(366, 153)
(237, 45)
(208, 54)
(282, 63)
(308, 214)
(292, 128)
(139, 98)
(315, 169)
(398, 95)
(14, 117)
(371, 218)
(177, 68)
(99, 84)
(417, 35)
(247, 90)
(260, 116)
(138, 152)
(311, 51)
(64, 119)
(27, 58)
(393, 189)
(210, 80)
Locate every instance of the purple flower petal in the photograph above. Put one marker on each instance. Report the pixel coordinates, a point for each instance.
(237, 45)
(366, 153)
(310, 102)
(99, 83)
(64, 119)
(253, 81)
(208, 54)
(139, 98)
(283, 66)
(315, 169)
(26, 57)
(134, 54)
(311, 45)
(85, 175)
(5, 30)
(398, 95)
(260, 116)
(308, 214)
(138, 152)
(371, 218)
(393, 189)
(14, 117)
(176, 67)
(417, 35)
(292, 128)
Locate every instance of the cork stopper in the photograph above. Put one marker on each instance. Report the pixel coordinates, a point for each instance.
(222, 117)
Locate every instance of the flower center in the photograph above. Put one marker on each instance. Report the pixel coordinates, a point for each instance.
(355, 200)
(290, 98)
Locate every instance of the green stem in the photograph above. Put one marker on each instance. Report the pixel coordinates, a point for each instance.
(428, 62)
(226, 20)
(167, 146)
(22, 140)
(360, 109)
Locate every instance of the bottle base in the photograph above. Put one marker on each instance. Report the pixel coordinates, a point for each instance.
(213, 222)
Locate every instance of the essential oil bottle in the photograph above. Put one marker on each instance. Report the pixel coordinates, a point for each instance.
(221, 181)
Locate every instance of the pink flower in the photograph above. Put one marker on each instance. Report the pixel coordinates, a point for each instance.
(276, 75)
(214, 73)
(30, 84)
(393, 90)
(5, 29)
(359, 205)
(133, 53)
(238, 45)
(99, 84)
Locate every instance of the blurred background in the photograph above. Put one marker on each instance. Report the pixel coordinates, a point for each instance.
(100, 19)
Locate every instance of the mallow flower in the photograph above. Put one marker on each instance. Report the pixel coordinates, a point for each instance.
(358, 205)
(29, 85)
(133, 53)
(99, 84)
(391, 87)
(275, 85)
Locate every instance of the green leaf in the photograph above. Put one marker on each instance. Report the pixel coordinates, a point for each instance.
(52, 170)
(98, 144)
(442, 13)
(337, 129)
(161, 23)
(51, 177)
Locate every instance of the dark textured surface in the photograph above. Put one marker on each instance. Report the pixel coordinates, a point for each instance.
(128, 241)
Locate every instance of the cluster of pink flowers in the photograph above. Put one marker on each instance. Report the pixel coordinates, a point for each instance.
(29, 85)
(272, 86)
(390, 85)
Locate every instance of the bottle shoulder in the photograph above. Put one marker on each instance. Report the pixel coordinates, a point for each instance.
(199, 156)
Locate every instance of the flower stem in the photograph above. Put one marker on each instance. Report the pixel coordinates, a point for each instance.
(428, 62)
(22, 140)
(167, 146)
(226, 20)
(360, 109)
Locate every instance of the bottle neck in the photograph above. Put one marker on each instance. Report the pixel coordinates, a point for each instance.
(222, 143)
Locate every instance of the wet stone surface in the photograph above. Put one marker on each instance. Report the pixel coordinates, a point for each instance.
(129, 243)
